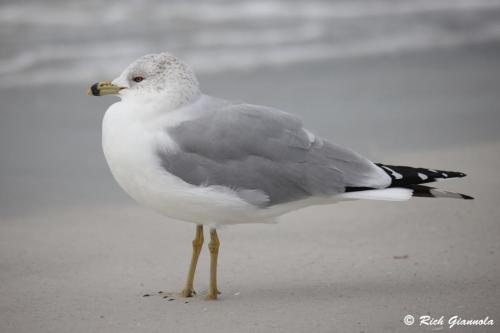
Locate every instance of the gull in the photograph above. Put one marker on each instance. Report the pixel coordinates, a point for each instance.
(214, 162)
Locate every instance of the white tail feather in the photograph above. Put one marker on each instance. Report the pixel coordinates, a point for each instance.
(387, 194)
(445, 194)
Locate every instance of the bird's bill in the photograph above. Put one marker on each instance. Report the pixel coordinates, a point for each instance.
(104, 88)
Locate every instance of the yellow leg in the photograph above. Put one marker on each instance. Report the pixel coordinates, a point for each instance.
(213, 247)
(188, 291)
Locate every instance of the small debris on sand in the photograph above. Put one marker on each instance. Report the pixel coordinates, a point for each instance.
(401, 257)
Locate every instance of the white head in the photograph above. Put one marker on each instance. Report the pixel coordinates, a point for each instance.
(151, 77)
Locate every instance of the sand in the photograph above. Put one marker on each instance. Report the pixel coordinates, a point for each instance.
(76, 255)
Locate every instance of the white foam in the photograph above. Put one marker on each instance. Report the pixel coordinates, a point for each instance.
(72, 52)
(258, 33)
(68, 14)
(271, 36)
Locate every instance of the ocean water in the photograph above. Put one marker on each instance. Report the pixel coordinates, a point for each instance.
(54, 41)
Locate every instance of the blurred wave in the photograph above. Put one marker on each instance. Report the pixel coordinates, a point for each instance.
(52, 41)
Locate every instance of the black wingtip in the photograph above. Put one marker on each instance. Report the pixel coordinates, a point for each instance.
(451, 174)
(467, 197)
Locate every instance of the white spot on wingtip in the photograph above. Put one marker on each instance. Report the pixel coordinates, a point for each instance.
(422, 176)
(444, 174)
(394, 173)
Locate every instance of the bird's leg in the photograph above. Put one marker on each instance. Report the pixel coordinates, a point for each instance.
(188, 291)
(213, 247)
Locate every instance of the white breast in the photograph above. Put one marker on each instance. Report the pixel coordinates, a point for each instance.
(130, 139)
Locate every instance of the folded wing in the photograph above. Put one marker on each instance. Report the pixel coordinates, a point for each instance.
(265, 155)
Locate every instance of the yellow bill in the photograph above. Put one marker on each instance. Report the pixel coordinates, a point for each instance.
(104, 88)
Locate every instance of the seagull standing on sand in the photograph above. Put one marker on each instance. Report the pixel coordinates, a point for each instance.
(214, 162)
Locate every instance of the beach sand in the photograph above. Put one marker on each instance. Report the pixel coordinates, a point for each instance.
(76, 255)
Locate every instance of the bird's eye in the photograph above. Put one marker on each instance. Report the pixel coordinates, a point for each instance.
(138, 79)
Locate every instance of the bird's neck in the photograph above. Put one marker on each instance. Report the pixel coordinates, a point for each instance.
(169, 99)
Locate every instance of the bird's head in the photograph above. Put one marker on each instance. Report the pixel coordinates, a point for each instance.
(152, 76)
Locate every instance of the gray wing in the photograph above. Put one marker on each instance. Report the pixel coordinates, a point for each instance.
(265, 155)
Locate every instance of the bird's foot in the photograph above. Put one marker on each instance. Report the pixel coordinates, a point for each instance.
(164, 294)
(212, 295)
(187, 292)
